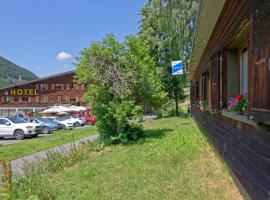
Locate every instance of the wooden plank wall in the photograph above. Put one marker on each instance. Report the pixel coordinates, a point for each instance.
(245, 149)
(260, 71)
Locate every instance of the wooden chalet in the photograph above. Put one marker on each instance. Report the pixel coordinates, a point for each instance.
(230, 57)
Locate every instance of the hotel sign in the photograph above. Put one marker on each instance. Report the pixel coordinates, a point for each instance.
(22, 92)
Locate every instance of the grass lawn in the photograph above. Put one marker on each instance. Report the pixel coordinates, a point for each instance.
(30, 146)
(173, 161)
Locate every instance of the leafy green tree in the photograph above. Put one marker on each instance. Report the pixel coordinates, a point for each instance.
(167, 26)
(124, 78)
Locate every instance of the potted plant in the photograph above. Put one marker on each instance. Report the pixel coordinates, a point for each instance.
(238, 104)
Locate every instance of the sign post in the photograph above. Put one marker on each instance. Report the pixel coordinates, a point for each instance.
(177, 68)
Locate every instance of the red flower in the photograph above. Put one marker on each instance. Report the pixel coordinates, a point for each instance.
(239, 97)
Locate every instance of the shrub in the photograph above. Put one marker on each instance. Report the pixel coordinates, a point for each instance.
(125, 78)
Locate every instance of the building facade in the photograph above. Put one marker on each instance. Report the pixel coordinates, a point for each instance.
(231, 57)
(32, 97)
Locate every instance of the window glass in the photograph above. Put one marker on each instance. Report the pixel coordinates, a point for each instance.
(43, 86)
(3, 121)
(24, 99)
(7, 99)
(16, 120)
(58, 86)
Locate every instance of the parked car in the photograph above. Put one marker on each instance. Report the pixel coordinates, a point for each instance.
(66, 123)
(18, 128)
(77, 121)
(53, 120)
(90, 120)
(46, 126)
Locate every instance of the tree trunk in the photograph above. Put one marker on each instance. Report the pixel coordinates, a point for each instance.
(176, 106)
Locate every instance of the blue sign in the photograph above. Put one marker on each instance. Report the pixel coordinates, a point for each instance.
(177, 68)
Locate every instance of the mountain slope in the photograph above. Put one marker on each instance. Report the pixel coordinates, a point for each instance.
(11, 74)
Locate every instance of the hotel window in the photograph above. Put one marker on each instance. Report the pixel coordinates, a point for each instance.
(72, 86)
(67, 99)
(59, 86)
(16, 99)
(7, 99)
(73, 100)
(52, 86)
(42, 99)
(24, 99)
(43, 86)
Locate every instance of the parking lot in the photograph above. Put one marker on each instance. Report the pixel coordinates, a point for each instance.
(9, 141)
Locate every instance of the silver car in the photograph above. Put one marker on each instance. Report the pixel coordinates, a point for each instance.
(18, 128)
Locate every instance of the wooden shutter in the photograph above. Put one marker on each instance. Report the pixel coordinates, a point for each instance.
(37, 99)
(214, 77)
(58, 98)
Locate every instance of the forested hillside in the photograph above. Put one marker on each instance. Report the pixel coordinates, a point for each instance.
(11, 74)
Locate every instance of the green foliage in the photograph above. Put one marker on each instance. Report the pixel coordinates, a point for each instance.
(241, 104)
(167, 27)
(12, 74)
(124, 78)
(205, 105)
(35, 183)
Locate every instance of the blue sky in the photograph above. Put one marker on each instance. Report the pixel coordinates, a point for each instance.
(34, 32)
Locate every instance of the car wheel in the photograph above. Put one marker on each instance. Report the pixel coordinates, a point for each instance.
(89, 123)
(45, 130)
(77, 124)
(19, 134)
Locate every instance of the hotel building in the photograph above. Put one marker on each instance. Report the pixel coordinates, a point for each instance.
(32, 97)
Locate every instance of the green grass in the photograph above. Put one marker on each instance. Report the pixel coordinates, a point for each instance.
(30, 146)
(173, 161)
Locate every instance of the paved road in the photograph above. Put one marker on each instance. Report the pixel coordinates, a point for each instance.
(19, 163)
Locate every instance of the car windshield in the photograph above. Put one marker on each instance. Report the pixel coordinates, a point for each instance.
(43, 120)
(17, 120)
(49, 119)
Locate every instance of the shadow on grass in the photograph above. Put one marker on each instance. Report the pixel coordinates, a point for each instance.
(155, 133)
(150, 134)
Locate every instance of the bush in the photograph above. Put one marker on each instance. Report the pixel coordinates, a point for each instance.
(125, 78)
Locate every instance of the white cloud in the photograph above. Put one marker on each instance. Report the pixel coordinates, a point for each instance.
(63, 56)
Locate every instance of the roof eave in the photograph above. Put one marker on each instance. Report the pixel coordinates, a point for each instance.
(210, 11)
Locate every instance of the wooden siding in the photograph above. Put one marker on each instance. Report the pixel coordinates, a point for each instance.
(260, 70)
(244, 148)
(235, 15)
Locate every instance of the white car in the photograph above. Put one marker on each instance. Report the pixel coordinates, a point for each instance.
(18, 128)
(68, 124)
(77, 121)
